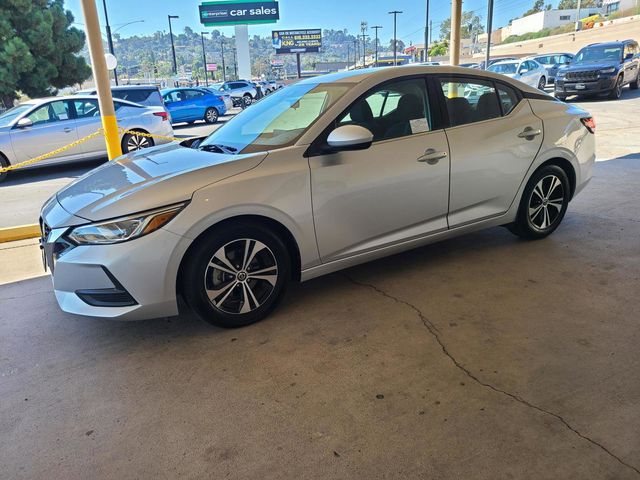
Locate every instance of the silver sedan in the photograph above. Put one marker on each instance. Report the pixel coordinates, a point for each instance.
(323, 175)
(44, 125)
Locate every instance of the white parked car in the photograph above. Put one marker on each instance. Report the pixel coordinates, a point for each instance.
(527, 71)
(39, 126)
(325, 174)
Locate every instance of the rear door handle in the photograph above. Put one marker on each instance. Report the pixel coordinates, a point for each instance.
(67, 129)
(432, 157)
(529, 133)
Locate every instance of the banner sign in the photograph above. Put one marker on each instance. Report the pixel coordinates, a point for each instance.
(212, 67)
(238, 13)
(297, 41)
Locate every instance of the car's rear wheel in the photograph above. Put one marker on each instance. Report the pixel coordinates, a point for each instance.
(542, 83)
(236, 276)
(4, 163)
(617, 90)
(246, 98)
(634, 85)
(132, 142)
(544, 202)
(211, 115)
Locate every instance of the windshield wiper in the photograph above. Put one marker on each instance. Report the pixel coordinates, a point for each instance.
(217, 148)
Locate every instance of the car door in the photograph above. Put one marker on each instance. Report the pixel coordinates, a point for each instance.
(53, 127)
(630, 63)
(195, 104)
(397, 189)
(175, 101)
(490, 151)
(87, 113)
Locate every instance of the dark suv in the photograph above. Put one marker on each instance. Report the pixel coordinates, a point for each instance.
(600, 68)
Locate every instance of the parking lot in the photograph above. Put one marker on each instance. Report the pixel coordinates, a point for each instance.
(480, 357)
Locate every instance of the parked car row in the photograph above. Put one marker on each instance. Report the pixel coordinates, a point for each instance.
(599, 68)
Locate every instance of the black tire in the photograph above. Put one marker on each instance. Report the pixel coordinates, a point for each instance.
(616, 92)
(543, 204)
(211, 115)
(247, 99)
(542, 83)
(131, 143)
(3, 164)
(562, 98)
(204, 271)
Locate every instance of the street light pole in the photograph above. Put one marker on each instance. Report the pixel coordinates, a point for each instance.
(363, 28)
(376, 28)
(489, 27)
(109, 38)
(356, 52)
(426, 34)
(395, 39)
(173, 48)
(204, 59)
(224, 70)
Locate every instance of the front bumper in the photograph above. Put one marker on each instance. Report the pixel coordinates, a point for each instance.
(132, 280)
(601, 85)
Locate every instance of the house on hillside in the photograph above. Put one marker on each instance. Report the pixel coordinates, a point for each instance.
(613, 6)
(550, 19)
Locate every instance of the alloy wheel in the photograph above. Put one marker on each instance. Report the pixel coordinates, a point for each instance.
(542, 83)
(212, 115)
(546, 202)
(136, 142)
(241, 276)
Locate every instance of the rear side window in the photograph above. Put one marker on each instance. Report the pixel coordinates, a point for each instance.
(137, 95)
(508, 98)
(470, 101)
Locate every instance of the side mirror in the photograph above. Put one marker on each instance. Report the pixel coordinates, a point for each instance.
(350, 137)
(24, 123)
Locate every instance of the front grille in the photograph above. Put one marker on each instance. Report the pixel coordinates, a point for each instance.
(582, 76)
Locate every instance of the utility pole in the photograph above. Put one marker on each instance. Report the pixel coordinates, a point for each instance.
(426, 33)
(395, 40)
(101, 77)
(376, 28)
(489, 27)
(356, 52)
(224, 70)
(235, 63)
(363, 28)
(578, 23)
(204, 59)
(348, 56)
(173, 48)
(109, 38)
(456, 20)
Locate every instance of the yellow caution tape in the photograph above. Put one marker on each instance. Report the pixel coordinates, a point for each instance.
(98, 132)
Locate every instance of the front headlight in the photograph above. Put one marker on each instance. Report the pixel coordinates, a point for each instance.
(560, 73)
(608, 70)
(124, 228)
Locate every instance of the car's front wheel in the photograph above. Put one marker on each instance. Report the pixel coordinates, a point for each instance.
(247, 100)
(4, 163)
(132, 142)
(544, 202)
(235, 276)
(616, 92)
(211, 115)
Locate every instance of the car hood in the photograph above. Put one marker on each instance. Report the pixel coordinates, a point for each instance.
(149, 179)
(588, 66)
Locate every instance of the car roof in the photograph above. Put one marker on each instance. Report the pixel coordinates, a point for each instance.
(506, 62)
(617, 43)
(40, 101)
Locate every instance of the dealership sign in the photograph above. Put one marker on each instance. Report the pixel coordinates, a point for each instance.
(212, 67)
(297, 41)
(236, 12)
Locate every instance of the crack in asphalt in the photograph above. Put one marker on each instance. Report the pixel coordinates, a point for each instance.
(436, 335)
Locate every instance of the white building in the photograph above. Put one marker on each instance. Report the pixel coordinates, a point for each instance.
(612, 6)
(550, 19)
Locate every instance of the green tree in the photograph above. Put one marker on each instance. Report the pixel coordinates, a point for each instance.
(38, 49)
(439, 49)
(568, 4)
(470, 23)
(538, 6)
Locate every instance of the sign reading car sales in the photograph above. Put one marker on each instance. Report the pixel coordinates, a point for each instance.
(228, 12)
(297, 41)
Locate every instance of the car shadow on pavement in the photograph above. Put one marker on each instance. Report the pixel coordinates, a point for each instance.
(627, 94)
(52, 172)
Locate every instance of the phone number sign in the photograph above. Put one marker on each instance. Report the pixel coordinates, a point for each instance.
(297, 41)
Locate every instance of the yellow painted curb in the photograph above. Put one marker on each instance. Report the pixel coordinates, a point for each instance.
(23, 232)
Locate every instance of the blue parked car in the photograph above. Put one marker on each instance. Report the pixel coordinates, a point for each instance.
(192, 104)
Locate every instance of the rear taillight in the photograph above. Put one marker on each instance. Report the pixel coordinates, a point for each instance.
(221, 99)
(589, 123)
(163, 115)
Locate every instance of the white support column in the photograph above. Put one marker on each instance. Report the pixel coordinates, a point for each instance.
(242, 52)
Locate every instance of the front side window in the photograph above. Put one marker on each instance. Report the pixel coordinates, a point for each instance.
(470, 101)
(10, 115)
(394, 110)
(174, 96)
(51, 112)
(278, 120)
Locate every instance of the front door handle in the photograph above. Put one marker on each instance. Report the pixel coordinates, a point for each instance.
(432, 157)
(529, 133)
(67, 129)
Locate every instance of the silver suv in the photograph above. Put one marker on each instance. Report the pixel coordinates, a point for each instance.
(239, 89)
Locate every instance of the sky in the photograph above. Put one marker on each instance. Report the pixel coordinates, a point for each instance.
(295, 14)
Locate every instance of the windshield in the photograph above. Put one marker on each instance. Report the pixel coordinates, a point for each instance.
(10, 115)
(505, 68)
(278, 120)
(599, 53)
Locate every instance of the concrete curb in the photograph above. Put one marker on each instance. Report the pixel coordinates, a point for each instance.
(23, 232)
